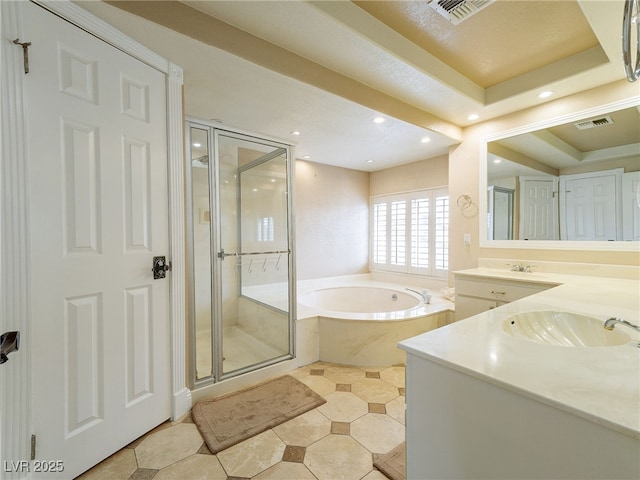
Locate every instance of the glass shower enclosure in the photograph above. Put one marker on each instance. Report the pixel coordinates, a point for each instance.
(242, 277)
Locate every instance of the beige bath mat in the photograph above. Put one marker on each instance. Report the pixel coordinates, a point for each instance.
(394, 463)
(230, 419)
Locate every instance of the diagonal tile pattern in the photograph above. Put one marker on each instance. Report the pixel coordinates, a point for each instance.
(364, 414)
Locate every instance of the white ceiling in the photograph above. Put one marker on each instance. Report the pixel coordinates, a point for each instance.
(354, 66)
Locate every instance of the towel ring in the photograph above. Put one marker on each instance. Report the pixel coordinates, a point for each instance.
(630, 19)
(464, 201)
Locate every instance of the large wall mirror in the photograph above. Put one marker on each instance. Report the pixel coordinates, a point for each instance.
(568, 183)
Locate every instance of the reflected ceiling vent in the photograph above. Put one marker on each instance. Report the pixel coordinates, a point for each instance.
(596, 122)
(458, 10)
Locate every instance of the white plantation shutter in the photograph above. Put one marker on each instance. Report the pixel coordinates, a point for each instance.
(409, 232)
(265, 229)
(397, 233)
(379, 234)
(442, 233)
(420, 233)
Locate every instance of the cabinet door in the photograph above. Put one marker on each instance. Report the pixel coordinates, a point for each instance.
(470, 306)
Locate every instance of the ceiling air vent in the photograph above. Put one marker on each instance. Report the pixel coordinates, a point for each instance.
(458, 10)
(596, 122)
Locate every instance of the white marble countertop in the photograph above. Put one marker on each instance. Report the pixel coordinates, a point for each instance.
(601, 384)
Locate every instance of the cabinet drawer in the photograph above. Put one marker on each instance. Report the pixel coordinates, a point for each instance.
(503, 291)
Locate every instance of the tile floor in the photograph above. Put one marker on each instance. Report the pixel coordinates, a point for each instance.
(364, 414)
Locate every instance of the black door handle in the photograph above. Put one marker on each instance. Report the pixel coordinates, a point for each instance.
(9, 342)
(160, 267)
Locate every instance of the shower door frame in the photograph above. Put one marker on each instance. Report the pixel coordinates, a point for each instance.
(215, 130)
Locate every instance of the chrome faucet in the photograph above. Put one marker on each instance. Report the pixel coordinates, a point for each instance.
(612, 322)
(426, 296)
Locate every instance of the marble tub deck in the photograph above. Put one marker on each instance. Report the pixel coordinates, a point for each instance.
(364, 415)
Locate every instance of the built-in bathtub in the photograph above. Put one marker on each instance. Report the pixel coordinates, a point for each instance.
(361, 320)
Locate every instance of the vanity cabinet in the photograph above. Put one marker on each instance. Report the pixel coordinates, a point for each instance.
(477, 294)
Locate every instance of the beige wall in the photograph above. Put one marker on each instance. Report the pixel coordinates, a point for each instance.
(332, 221)
(430, 173)
(463, 178)
(332, 211)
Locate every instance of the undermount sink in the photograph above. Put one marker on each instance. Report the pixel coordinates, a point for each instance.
(563, 329)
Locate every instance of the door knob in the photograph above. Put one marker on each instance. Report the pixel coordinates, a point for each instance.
(9, 342)
(160, 267)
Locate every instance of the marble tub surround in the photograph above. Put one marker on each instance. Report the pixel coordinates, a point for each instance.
(363, 416)
(378, 280)
(371, 338)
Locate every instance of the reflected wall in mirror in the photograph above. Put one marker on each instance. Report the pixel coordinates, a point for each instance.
(574, 181)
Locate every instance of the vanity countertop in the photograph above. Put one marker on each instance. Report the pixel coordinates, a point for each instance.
(601, 384)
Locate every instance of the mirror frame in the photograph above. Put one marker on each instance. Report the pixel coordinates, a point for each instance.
(618, 246)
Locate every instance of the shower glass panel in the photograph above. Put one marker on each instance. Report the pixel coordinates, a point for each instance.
(201, 249)
(255, 262)
(243, 293)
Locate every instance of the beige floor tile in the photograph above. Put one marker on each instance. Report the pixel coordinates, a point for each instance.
(338, 457)
(301, 372)
(119, 465)
(195, 467)
(375, 475)
(141, 438)
(286, 471)
(343, 407)
(168, 446)
(304, 429)
(373, 390)
(396, 408)
(378, 433)
(373, 369)
(344, 374)
(393, 375)
(249, 458)
(319, 384)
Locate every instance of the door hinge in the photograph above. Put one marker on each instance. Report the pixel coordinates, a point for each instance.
(33, 447)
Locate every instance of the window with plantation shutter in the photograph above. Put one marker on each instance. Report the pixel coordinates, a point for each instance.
(442, 233)
(409, 232)
(397, 232)
(379, 234)
(420, 233)
(265, 229)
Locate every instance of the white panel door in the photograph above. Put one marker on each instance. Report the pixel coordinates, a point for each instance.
(591, 208)
(99, 213)
(538, 209)
(631, 206)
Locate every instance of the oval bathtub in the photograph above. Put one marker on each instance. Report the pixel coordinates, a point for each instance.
(362, 324)
(358, 299)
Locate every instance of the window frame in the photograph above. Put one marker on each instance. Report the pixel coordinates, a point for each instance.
(435, 250)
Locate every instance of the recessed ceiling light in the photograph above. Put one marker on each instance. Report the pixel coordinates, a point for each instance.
(196, 144)
(545, 94)
(295, 132)
(379, 120)
(369, 161)
(496, 160)
(306, 157)
(425, 139)
(473, 116)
